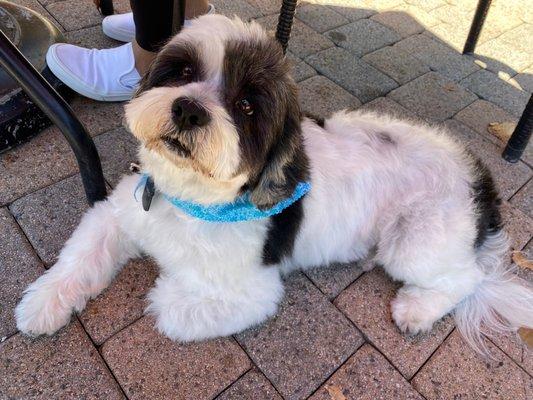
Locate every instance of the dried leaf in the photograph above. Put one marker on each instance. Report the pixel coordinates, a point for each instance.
(502, 130)
(335, 392)
(526, 334)
(521, 260)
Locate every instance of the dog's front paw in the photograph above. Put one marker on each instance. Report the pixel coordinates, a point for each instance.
(41, 310)
(410, 313)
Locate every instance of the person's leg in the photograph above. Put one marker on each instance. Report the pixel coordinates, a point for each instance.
(121, 27)
(150, 36)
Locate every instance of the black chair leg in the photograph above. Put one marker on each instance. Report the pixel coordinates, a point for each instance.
(477, 24)
(519, 139)
(286, 17)
(52, 104)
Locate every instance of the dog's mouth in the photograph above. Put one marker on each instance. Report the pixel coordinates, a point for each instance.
(176, 146)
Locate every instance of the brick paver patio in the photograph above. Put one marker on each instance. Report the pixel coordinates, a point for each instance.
(333, 337)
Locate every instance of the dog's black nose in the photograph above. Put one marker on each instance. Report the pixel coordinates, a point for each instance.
(188, 114)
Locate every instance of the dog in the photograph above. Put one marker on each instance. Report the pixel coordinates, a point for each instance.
(218, 122)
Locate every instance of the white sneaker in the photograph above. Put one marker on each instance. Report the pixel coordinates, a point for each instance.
(122, 28)
(104, 75)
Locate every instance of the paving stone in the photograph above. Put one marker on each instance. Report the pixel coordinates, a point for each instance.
(266, 7)
(523, 199)
(75, 14)
(307, 340)
(481, 113)
(476, 378)
(511, 49)
(240, 8)
(302, 71)
(304, 41)
(49, 216)
(400, 22)
(421, 16)
(91, 38)
(252, 386)
(320, 18)
(307, 44)
(385, 105)
(451, 36)
(98, 116)
(367, 375)
(518, 225)
(438, 56)
(121, 303)
(64, 366)
(509, 177)
(321, 97)
(363, 36)
(426, 5)
(433, 97)
(466, 4)
(379, 5)
(360, 79)
(270, 23)
(332, 280)
(347, 9)
(400, 66)
(19, 266)
(496, 22)
(45, 159)
(356, 10)
(148, 365)
(367, 303)
(524, 80)
(46, 3)
(489, 87)
(117, 149)
(515, 348)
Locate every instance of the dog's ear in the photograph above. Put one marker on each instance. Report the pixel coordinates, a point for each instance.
(286, 165)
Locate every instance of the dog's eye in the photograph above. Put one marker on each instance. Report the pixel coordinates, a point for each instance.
(245, 106)
(186, 72)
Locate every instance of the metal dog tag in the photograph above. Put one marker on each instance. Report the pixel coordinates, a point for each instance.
(148, 193)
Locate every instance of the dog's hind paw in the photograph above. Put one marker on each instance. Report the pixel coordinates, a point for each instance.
(410, 311)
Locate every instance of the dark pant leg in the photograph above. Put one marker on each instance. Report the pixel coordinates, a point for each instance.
(153, 22)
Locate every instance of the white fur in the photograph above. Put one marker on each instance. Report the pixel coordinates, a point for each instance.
(376, 183)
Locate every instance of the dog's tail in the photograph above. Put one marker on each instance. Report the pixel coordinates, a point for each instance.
(502, 302)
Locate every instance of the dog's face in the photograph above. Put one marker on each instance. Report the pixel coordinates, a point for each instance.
(218, 100)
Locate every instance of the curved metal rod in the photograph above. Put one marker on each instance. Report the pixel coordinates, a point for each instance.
(52, 104)
(286, 17)
(477, 24)
(518, 141)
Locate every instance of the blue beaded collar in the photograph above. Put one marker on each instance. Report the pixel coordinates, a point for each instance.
(242, 209)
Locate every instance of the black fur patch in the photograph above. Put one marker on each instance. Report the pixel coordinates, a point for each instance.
(166, 68)
(271, 140)
(282, 233)
(487, 203)
(318, 120)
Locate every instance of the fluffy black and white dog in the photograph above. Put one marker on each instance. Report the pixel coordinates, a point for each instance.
(217, 116)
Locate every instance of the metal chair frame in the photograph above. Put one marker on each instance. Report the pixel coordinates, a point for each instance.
(60, 113)
(519, 139)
